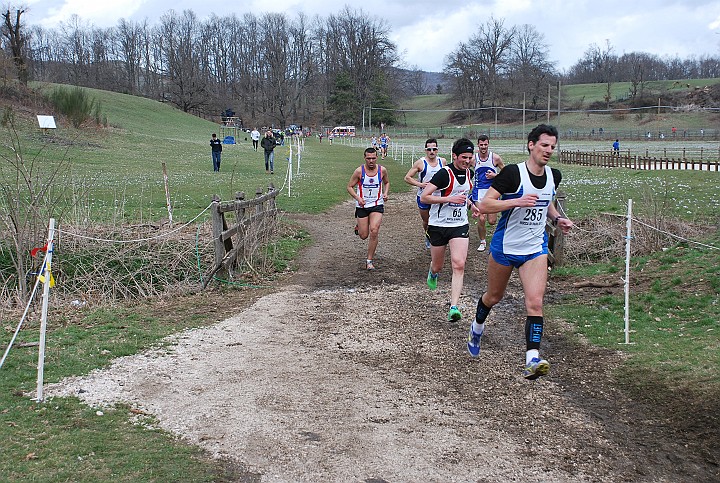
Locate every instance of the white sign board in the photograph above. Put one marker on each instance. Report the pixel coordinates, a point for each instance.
(46, 122)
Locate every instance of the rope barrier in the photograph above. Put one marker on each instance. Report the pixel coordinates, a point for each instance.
(22, 319)
(77, 235)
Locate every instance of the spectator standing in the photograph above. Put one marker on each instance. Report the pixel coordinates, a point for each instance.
(216, 151)
(255, 136)
(268, 144)
(616, 146)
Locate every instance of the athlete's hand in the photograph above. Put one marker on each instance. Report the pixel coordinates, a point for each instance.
(361, 202)
(490, 174)
(527, 201)
(475, 210)
(458, 199)
(565, 224)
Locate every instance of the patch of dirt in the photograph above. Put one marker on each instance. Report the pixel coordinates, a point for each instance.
(347, 375)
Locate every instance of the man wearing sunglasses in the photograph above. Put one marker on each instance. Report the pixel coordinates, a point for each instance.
(425, 168)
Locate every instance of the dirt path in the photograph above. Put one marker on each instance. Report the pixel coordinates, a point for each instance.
(348, 375)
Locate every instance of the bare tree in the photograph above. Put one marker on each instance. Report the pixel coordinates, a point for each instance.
(185, 82)
(530, 70)
(31, 192)
(127, 46)
(14, 32)
(415, 82)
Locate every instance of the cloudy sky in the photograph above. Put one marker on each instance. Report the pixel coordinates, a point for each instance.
(425, 31)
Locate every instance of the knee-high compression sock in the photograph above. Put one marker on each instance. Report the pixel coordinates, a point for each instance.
(533, 331)
(482, 312)
(478, 325)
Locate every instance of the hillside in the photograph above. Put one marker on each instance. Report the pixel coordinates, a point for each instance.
(437, 110)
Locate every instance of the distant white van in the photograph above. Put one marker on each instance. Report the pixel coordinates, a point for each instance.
(344, 131)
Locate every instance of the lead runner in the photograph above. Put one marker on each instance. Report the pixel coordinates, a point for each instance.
(523, 193)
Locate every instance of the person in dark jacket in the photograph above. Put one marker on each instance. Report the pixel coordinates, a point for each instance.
(216, 147)
(268, 144)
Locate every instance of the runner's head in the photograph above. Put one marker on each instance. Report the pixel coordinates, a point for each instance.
(538, 131)
(371, 158)
(462, 153)
(483, 142)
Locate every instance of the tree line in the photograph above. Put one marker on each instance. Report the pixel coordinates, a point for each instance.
(272, 69)
(508, 66)
(269, 69)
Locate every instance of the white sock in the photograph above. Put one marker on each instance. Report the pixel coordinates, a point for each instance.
(531, 354)
(478, 328)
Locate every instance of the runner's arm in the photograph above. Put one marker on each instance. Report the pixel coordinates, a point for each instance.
(410, 176)
(386, 183)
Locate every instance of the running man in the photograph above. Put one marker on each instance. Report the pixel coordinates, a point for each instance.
(384, 141)
(425, 168)
(448, 224)
(523, 194)
(369, 186)
(487, 165)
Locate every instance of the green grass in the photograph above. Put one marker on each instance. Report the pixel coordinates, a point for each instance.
(64, 440)
(120, 169)
(583, 95)
(674, 315)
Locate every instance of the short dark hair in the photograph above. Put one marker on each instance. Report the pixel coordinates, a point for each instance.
(214, 135)
(370, 150)
(541, 129)
(463, 145)
(483, 137)
(431, 141)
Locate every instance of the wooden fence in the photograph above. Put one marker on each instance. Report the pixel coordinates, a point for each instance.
(254, 220)
(614, 160)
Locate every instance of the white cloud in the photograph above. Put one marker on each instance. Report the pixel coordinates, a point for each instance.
(98, 13)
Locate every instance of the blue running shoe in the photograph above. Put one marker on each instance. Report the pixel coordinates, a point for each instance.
(473, 342)
(432, 279)
(454, 314)
(537, 367)
(427, 243)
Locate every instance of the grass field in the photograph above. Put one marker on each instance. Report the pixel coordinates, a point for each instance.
(676, 316)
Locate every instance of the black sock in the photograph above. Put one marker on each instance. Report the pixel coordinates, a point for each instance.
(533, 331)
(482, 312)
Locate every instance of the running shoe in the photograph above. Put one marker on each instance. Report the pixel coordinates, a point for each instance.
(473, 342)
(369, 265)
(432, 279)
(427, 243)
(454, 314)
(537, 367)
(483, 245)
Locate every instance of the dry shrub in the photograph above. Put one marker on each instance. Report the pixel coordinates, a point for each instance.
(602, 237)
(154, 262)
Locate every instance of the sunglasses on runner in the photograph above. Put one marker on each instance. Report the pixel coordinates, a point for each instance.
(431, 149)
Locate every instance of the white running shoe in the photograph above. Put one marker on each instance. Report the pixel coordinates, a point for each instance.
(483, 246)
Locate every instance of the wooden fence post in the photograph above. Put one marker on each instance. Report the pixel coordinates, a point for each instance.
(559, 243)
(217, 229)
(240, 223)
